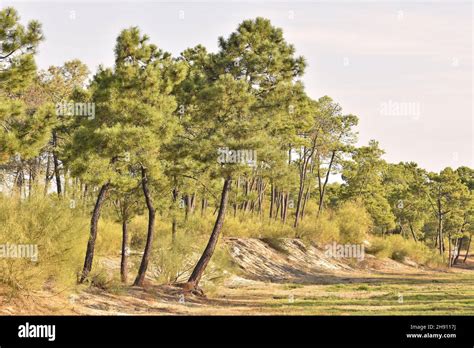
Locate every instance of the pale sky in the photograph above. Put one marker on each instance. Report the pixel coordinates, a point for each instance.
(372, 57)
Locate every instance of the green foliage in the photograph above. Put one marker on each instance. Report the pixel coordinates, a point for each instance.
(398, 248)
(133, 118)
(17, 48)
(325, 230)
(257, 52)
(363, 179)
(21, 132)
(253, 227)
(350, 223)
(354, 223)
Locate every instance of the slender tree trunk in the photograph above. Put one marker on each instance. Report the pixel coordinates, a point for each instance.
(151, 229)
(30, 181)
(298, 205)
(449, 252)
(280, 205)
(203, 206)
(57, 174)
(18, 183)
(211, 245)
(187, 202)
(260, 196)
(467, 250)
(285, 206)
(440, 229)
(282, 210)
(460, 243)
(323, 188)
(174, 223)
(47, 177)
(306, 198)
(236, 204)
(402, 231)
(93, 232)
(413, 232)
(193, 202)
(307, 157)
(245, 203)
(125, 252)
(85, 195)
(66, 182)
(272, 199)
(300, 192)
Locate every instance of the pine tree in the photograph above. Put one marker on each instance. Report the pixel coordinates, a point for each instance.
(20, 131)
(134, 118)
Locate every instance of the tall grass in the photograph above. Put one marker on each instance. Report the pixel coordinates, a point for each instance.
(59, 232)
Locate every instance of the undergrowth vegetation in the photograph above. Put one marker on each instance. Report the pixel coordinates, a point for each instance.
(400, 249)
(61, 233)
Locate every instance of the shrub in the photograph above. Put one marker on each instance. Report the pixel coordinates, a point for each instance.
(249, 226)
(398, 248)
(322, 231)
(59, 232)
(137, 230)
(354, 223)
(380, 247)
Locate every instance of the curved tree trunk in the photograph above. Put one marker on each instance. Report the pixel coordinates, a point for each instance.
(151, 229)
(93, 232)
(211, 245)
